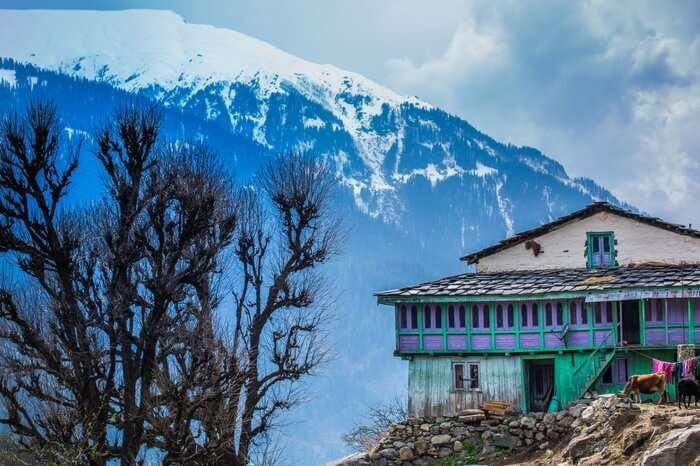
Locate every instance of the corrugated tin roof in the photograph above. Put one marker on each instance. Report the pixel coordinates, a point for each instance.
(551, 281)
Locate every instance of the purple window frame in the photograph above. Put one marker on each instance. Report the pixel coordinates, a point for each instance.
(556, 308)
(606, 313)
(619, 371)
(579, 312)
(482, 313)
(505, 312)
(653, 309)
(407, 310)
(434, 311)
(532, 313)
(456, 313)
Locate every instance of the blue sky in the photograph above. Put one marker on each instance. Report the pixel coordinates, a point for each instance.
(610, 89)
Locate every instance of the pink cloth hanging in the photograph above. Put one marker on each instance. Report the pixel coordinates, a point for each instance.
(662, 366)
(689, 367)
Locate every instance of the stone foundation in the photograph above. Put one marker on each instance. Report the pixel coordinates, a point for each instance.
(472, 434)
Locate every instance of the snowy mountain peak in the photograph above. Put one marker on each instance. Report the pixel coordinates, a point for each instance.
(386, 147)
(140, 48)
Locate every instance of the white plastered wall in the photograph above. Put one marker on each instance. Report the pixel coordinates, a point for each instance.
(564, 247)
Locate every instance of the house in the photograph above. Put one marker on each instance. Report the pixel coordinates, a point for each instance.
(577, 304)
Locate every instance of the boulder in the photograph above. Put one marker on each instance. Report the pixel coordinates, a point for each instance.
(678, 447)
(406, 454)
(457, 446)
(528, 422)
(388, 453)
(588, 414)
(580, 446)
(681, 421)
(504, 441)
(442, 439)
(421, 446)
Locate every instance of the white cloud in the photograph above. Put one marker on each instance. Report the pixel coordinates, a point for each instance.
(611, 89)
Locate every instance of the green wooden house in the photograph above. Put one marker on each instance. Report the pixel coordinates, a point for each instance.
(578, 304)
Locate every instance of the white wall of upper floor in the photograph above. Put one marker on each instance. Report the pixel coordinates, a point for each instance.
(565, 246)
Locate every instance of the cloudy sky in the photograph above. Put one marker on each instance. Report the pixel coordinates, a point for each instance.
(610, 89)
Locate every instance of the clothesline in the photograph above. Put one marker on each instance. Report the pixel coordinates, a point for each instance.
(676, 370)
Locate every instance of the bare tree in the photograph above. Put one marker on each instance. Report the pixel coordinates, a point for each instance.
(117, 336)
(366, 435)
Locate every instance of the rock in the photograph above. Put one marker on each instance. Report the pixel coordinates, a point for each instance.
(425, 427)
(442, 439)
(579, 446)
(528, 422)
(469, 412)
(447, 425)
(549, 418)
(543, 446)
(587, 414)
(633, 439)
(443, 452)
(388, 453)
(457, 446)
(576, 410)
(406, 454)
(681, 421)
(677, 447)
(472, 418)
(421, 446)
(514, 424)
(504, 441)
(539, 436)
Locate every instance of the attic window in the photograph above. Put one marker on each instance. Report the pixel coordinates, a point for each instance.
(600, 249)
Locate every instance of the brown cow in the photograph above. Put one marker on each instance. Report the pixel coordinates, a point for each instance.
(648, 383)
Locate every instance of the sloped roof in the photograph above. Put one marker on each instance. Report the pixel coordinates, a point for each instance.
(525, 282)
(587, 211)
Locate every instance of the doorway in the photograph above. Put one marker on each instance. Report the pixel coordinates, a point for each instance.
(630, 333)
(540, 388)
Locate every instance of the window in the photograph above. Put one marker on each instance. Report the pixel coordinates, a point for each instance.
(659, 310)
(578, 316)
(511, 316)
(548, 314)
(408, 317)
(457, 376)
(560, 313)
(480, 316)
(616, 373)
(455, 316)
(473, 375)
(523, 315)
(601, 250)
(584, 314)
(432, 317)
(573, 313)
(505, 316)
(535, 315)
(597, 313)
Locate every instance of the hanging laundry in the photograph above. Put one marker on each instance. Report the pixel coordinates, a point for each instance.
(689, 367)
(663, 366)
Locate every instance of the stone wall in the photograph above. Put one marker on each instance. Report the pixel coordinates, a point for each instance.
(473, 434)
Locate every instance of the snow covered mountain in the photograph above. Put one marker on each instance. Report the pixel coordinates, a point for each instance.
(422, 187)
(380, 141)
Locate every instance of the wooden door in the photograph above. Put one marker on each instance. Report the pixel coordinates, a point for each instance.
(540, 384)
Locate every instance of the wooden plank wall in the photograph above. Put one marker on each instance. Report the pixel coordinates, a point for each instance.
(430, 390)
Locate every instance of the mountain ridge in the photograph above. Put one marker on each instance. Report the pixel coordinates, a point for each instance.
(276, 99)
